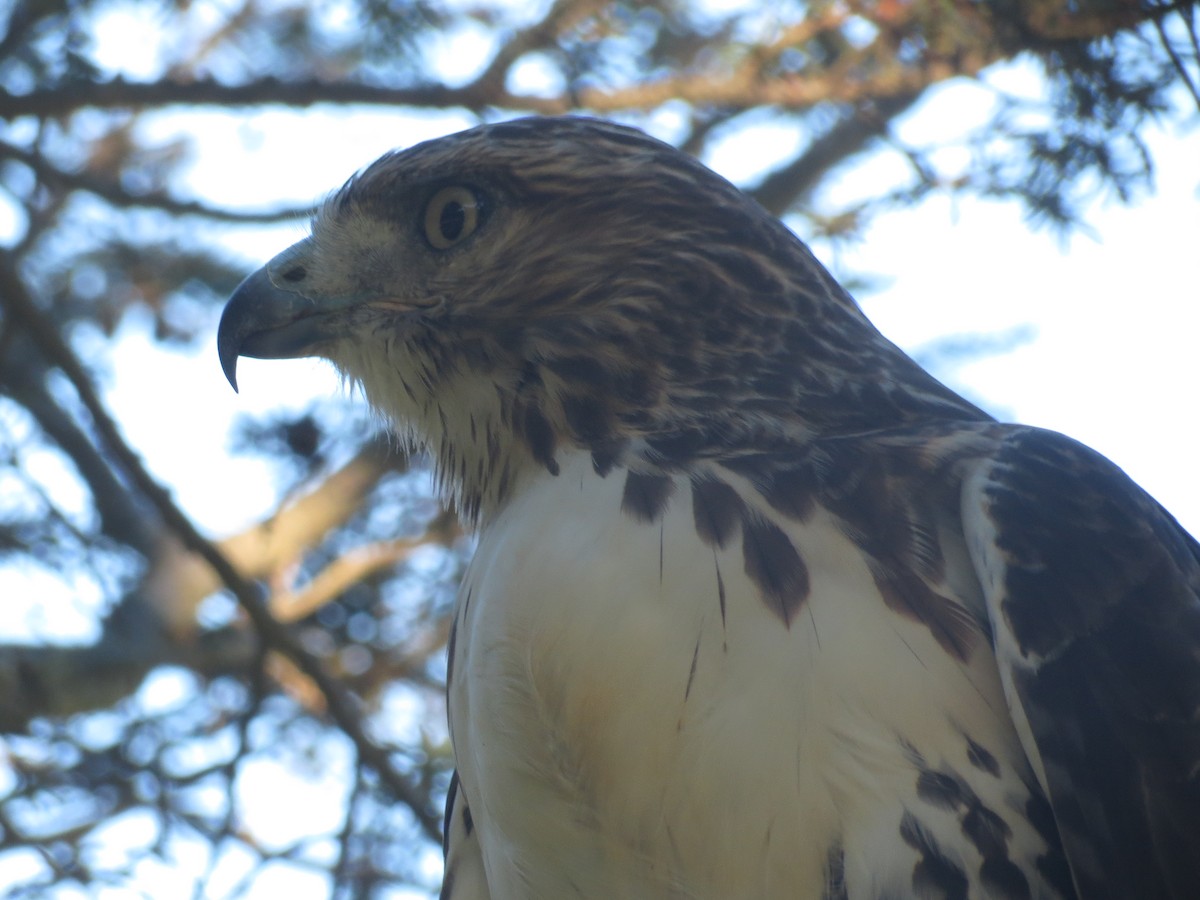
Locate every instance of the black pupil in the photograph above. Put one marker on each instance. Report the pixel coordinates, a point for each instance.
(452, 220)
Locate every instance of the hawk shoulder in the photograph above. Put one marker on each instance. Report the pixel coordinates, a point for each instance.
(1093, 594)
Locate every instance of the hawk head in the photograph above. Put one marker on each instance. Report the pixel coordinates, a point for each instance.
(518, 289)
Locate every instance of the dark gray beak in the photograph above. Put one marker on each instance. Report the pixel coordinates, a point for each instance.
(270, 317)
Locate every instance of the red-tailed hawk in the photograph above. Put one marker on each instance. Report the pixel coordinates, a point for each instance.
(759, 608)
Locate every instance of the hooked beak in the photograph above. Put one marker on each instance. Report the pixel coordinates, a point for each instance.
(270, 316)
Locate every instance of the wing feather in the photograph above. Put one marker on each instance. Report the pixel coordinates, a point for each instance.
(1093, 591)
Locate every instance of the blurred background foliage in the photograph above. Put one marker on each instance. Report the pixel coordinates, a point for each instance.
(277, 724)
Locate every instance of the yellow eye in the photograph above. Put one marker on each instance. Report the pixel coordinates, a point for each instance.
(451, 216)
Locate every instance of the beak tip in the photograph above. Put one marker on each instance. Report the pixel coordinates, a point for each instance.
(230, 371)
(228, 354)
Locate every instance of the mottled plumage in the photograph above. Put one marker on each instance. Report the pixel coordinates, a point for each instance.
(759, 608)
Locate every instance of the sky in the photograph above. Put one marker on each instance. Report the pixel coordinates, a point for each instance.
(1114, 359)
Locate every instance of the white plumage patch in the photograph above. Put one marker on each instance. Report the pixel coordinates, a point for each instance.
(616, 731)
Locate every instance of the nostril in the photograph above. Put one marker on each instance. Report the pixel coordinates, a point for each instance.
(296, 273)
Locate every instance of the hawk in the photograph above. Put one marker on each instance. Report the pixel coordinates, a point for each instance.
(759, 608)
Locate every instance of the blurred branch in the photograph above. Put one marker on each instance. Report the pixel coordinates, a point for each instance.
(121, 518)
(119, 197)
(120, 93)
(784, 187)
(63, 680)
(355, 566)
(1046, 23)
(1054, 20)
(700, 89)
(234, 21)
(20, 21)
(342, 706)
(562, 16)
(1177, 61)
(179, 580)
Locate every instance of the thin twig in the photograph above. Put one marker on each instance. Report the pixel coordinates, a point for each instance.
(1180, 66)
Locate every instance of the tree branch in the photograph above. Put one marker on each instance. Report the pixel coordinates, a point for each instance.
(1045, 21)
(781, 189)
(357, 564)
(120, 93)
(121, 517)
(561, 17)
(705, 88)
(342, 706)
(117, 196)
(1176, 60)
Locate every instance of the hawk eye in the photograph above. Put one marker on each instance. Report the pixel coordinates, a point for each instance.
(451, 216)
